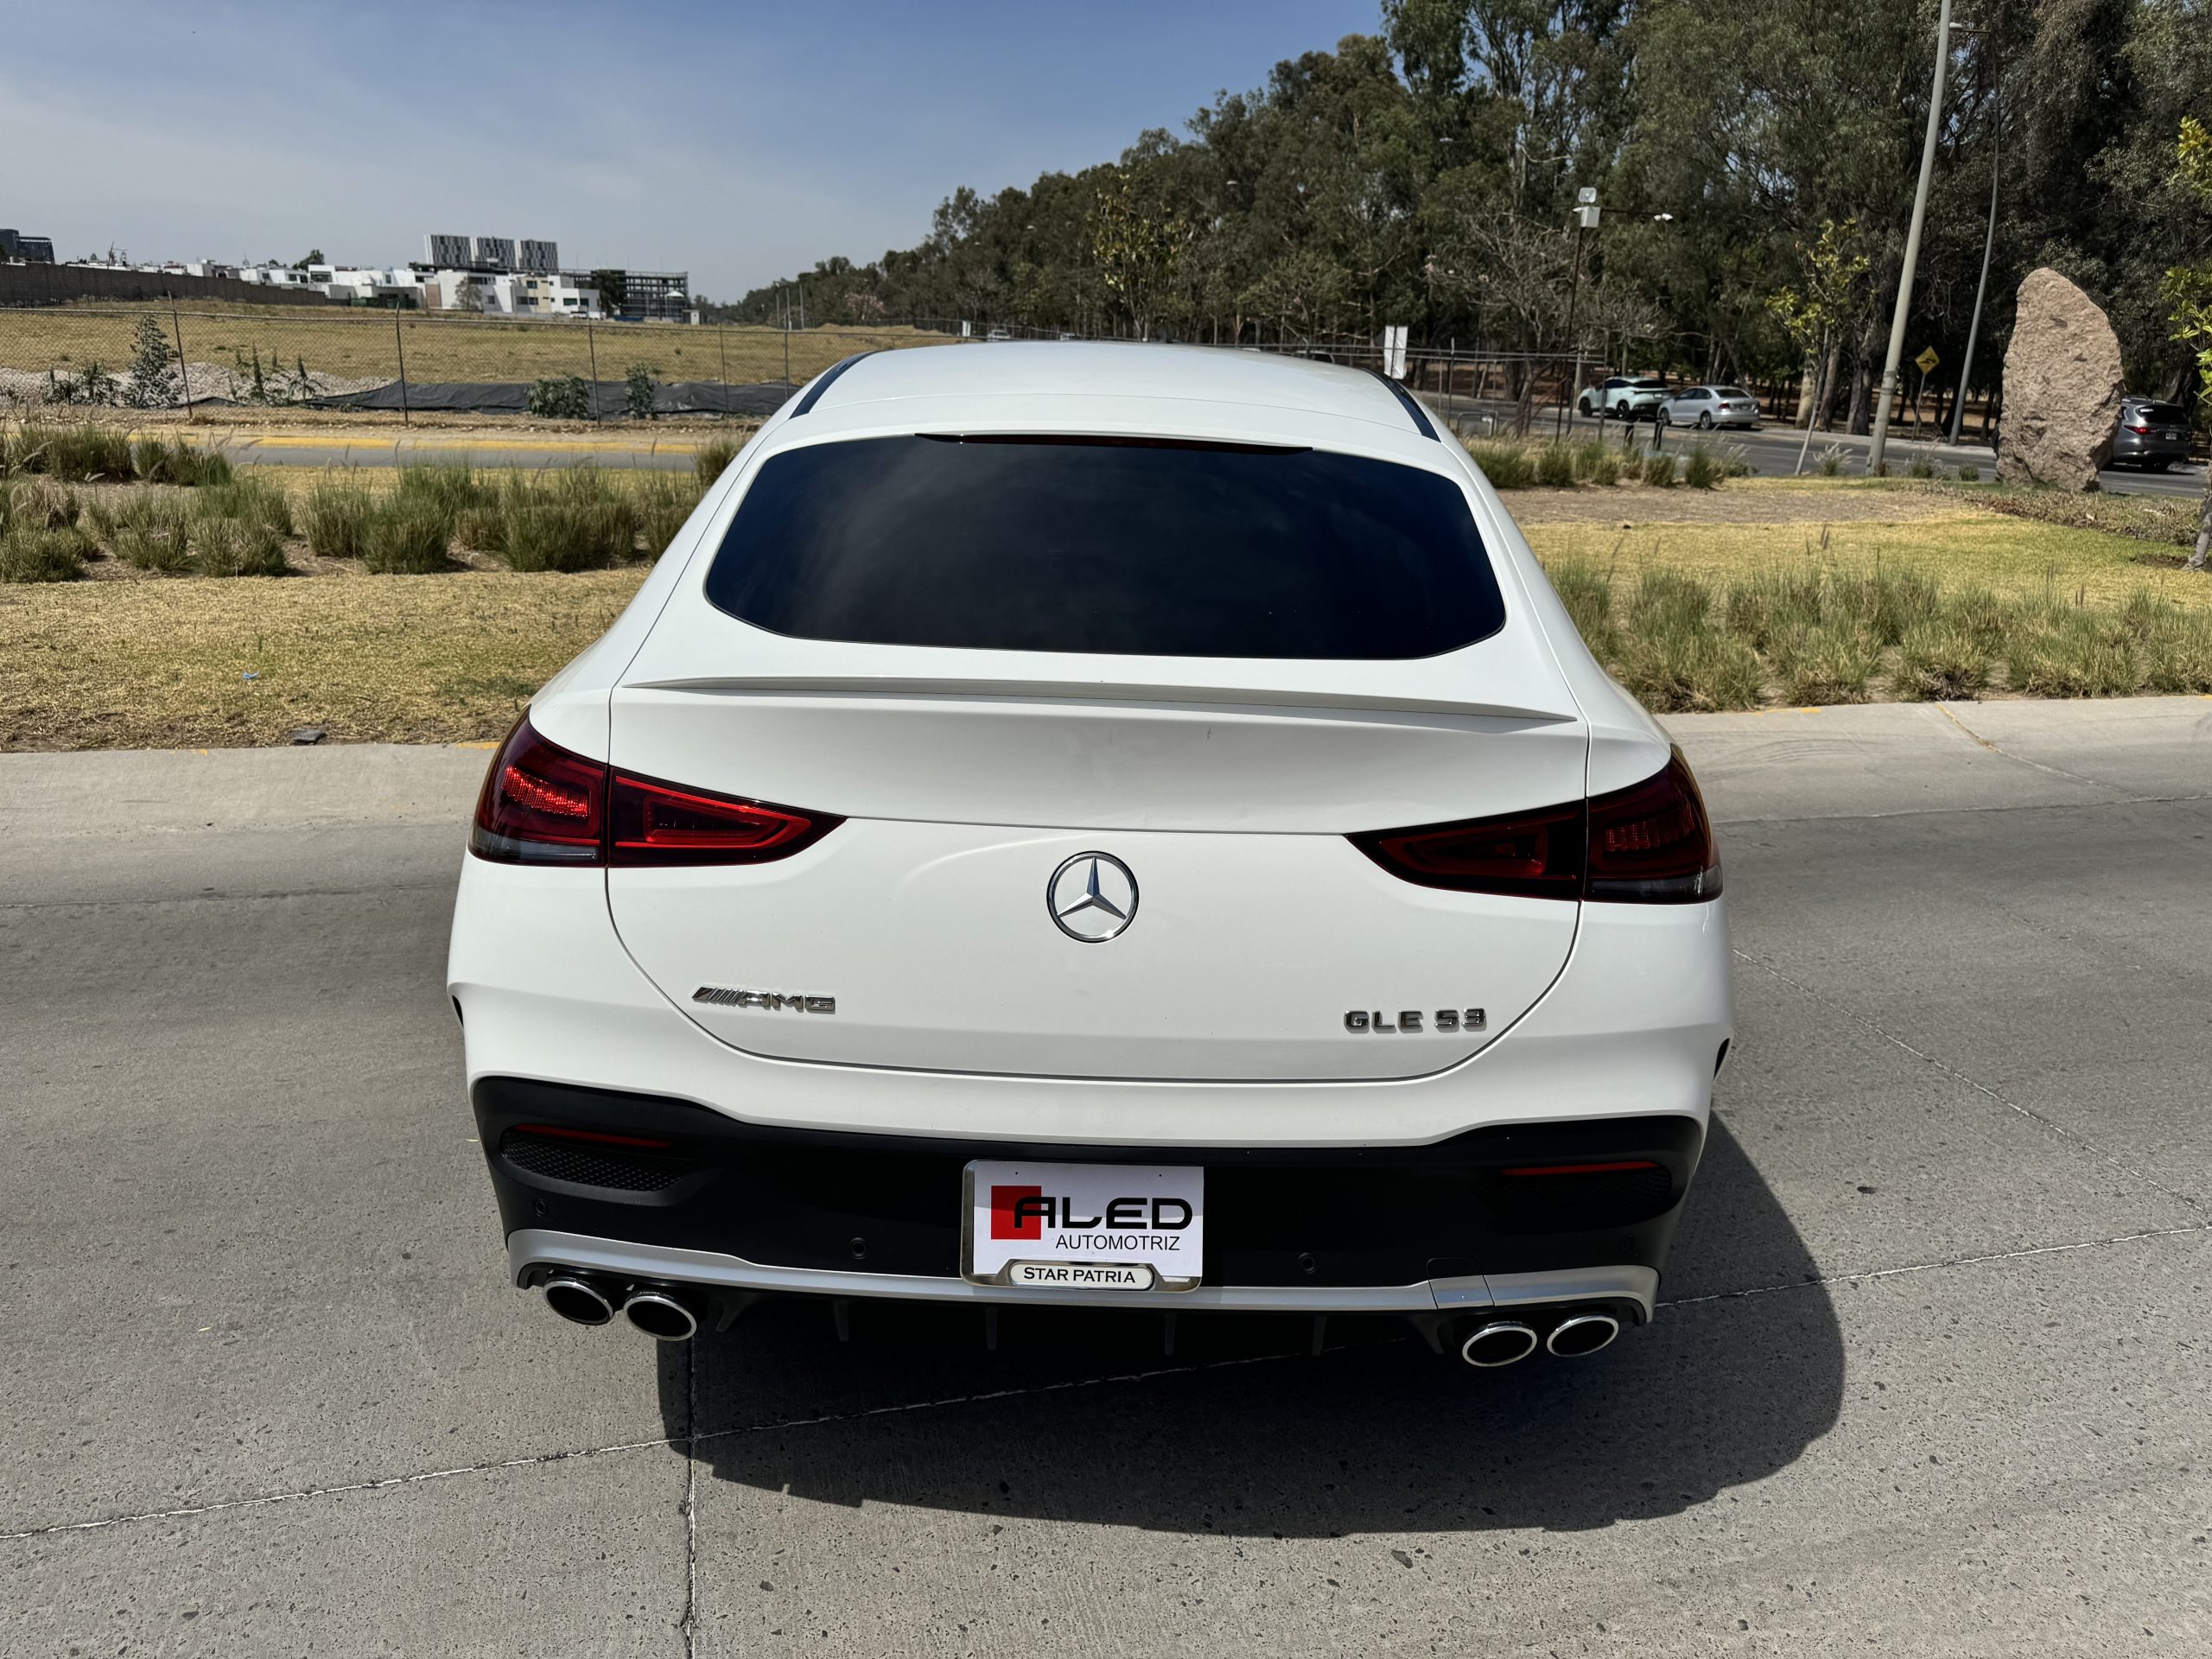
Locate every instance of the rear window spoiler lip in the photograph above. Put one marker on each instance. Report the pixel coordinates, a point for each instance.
(1242, 698)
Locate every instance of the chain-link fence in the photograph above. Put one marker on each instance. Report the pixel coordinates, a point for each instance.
(161, 356)
(400, 364)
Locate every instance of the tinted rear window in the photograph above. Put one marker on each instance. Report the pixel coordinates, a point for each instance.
(1105, 546)
(2163, 414)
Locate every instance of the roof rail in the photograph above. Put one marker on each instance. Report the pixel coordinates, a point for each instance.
(822, 382)
(1421, 415)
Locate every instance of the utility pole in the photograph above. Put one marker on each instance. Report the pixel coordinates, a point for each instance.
(1586, 219)
(1988, 241)
(1911, 245)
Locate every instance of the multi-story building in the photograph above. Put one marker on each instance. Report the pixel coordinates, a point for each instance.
(651, 295)
(31, 250)
(447, 252)
(492, 252)
(540, 259)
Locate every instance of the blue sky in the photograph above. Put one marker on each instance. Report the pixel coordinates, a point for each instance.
(735, 141)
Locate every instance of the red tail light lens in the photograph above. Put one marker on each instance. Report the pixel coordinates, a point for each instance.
(659, 824)
(1527, 855)
(1650, 843)
(541, 805)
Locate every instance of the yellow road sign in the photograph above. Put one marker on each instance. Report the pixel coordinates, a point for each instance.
(1927, 360)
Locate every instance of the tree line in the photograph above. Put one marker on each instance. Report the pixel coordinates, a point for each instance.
(1755, 161)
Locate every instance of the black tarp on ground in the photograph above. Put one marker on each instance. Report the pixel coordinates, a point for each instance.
(512, 397)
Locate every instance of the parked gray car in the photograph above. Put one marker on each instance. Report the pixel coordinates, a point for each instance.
(1706, 407)
(2151, 435)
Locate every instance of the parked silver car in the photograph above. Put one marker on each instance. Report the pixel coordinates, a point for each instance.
(1706, 407)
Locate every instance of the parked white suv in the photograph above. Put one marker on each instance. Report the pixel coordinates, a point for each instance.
(1117, 825)
(1623, 398)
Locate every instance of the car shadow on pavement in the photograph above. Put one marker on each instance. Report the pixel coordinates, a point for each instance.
(1243, 1431)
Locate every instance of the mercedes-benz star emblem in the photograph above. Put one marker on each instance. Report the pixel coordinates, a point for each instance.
(1092, 898)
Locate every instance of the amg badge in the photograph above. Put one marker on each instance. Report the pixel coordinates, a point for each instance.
(1416, 1020)
(722, 997)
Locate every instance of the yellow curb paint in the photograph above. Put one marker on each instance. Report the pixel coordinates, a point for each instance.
(486, 744)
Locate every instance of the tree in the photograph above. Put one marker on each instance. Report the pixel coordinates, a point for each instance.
(638, 393)
(153, 383)
(314, 257)
(2187, 290)
(1831, 304)
(614, 287)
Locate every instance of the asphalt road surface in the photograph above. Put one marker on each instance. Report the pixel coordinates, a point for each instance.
(1929, 1378)
(1772, 450)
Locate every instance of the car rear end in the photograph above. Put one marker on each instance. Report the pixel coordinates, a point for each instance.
(2153, 436)
(1118, 848)
(1639, 399)
(1736, 407)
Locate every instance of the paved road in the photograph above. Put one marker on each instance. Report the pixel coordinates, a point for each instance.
(1930, 1378)
(1772, 450)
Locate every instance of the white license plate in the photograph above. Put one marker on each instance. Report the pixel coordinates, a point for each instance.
(1084, 1226)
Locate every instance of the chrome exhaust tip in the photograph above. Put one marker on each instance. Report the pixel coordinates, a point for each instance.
(578, 1301)
(1586, 1333)
(661, 1315)
(1501, 1342)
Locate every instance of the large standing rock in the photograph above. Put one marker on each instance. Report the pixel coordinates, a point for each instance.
(2061, 387)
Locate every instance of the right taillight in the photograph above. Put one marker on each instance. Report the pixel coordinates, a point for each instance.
(1650, 843)
(543, 805)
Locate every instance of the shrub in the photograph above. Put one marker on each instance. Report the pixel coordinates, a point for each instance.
(2179, 661)
(1555, 467)
(1828, 663)
(1595, 464)
(337, 519)
(253, 500)
(39, 504)
(1687, 669)
(77, 454)
(448, 488)
(1969, 474)
(1921, 468)
(1699, 470)
(175, 461)
(1939, 661)
(574, 521)
(663, 500)
(561, 398)
(237, 547)
(1587, 593)
(638, 393)
(1507, 466)
(155, 382)
(32, 552)
(713, 458)
(1659, 470)
(2073, 653)
(406, 536)
(1832, 460)
(149, 533)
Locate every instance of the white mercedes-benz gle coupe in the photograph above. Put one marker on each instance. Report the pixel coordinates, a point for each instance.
(1119, 826)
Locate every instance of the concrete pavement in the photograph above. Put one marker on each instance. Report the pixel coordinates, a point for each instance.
(1929, 1378)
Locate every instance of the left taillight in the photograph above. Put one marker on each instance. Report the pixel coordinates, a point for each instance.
(543, 805)
(540, 804)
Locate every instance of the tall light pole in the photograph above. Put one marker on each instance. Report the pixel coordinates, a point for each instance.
(1988, 241)
(1911, 244)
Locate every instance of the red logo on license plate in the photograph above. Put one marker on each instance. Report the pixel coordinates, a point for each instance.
(1017, 1212)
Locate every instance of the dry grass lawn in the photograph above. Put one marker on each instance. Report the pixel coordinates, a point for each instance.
(361, 344)
(228, 664)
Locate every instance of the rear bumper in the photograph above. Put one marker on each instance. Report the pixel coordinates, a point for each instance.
(735, 1206)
